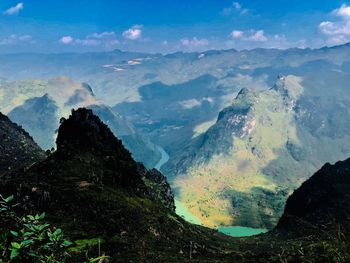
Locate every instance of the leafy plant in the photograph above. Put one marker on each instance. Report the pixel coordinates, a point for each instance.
(28, 238)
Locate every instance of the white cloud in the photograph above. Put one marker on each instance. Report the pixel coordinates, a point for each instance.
(66, 40)
(14, 10)
(236, 34)
(251, 35)
(16, 39)
(250, 39)
(104, 39)
(236, 7)
(133, 33)
(194, 42)
(108, 39)
(258, 36)
(337, 31)
(343, 11)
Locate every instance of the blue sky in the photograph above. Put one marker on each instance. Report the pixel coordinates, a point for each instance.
(169, 26)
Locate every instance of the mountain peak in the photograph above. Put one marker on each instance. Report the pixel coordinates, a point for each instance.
(280, 85)
(288, 86)
(85, 131)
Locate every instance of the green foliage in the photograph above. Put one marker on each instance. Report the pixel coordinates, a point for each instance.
(84, 244)
(28, 238)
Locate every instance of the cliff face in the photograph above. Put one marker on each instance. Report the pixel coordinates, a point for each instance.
(17, 148)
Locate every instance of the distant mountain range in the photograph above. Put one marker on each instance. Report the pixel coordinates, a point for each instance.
(93, 189)
(38, 105)
(232, 161)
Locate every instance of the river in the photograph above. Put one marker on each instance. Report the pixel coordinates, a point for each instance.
(164, 158)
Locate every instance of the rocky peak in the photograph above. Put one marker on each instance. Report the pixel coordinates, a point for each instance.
(83, 137)
(288, 86)
(85, 131)
(280, 85)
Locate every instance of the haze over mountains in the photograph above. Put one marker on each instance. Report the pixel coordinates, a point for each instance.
(232, 161)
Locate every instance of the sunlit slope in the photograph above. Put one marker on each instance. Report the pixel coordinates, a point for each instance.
(242, 169)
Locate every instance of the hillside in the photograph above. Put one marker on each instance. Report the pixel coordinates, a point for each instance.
(261, 148)
(92, 188)
(17, 149)
(321, 201)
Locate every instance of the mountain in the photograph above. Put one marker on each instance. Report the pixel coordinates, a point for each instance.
(183, 107)
(321, 203)
(17, 148)
(261, 148)
(315, 224)
(110, 73)
(38, 105)
(39, 116)
(175, 99)
(92, 188)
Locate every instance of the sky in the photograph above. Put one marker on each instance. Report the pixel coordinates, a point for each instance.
(54, 26)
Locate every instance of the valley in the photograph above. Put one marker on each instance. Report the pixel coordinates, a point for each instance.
(90, 167)
(220, 159)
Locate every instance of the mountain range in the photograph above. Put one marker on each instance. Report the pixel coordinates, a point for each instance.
(238, 140)
(92, 188)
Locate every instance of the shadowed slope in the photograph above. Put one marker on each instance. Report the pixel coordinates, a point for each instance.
(17, 148)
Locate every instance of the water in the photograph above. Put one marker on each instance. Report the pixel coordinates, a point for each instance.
(241, 231)
(234, 231)
(185, 214)
(164, 158)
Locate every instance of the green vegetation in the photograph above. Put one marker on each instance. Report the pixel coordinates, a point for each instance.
(29, 239)
(262, 147)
